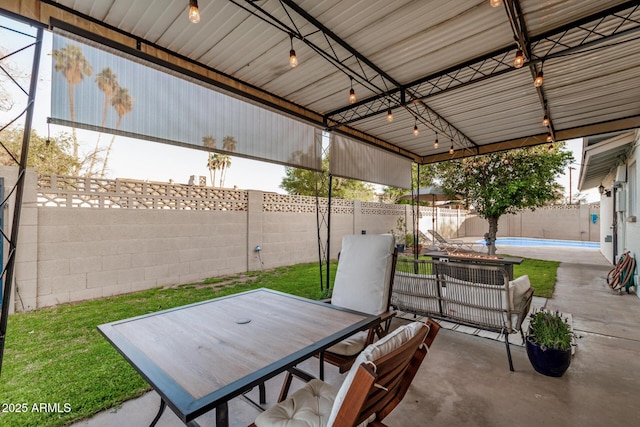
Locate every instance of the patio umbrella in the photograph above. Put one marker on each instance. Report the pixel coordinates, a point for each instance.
(433, 194)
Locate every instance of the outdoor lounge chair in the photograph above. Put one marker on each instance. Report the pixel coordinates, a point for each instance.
(455, 245)
(385, 369)
(364, 280)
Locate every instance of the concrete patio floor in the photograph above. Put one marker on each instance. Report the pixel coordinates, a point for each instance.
(465, 380)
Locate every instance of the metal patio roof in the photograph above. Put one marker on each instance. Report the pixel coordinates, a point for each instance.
(601, 155)
(443, 66)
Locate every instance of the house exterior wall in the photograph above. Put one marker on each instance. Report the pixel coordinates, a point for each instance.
(620, 210)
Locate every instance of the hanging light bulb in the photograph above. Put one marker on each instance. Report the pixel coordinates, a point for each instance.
(550, 148)
(539, 79)
(435, 144)
(389, 115)
(352, 93)
(293, 59)
(451, 150)
(194, 13)
(545, 121)
(518, 62)
(549, 138)
(495, 3)
(415, 128)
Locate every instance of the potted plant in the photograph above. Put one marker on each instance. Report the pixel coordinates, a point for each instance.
(548, 342)
(400, 234)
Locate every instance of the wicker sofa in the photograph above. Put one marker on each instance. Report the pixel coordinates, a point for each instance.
(475, 295)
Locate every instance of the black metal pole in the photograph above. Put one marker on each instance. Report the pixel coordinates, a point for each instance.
(329, 232)
(13, 243)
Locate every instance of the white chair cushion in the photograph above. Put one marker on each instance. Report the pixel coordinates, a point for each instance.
(309, 406)
(364, 273)
(352, 345)
(518, 288)
(374, 351)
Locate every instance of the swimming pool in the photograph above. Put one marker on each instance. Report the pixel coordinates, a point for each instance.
(526, 241)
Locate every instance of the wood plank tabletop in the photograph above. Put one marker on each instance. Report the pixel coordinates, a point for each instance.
(202, 354)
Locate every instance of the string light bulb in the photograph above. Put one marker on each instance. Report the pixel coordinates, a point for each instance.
(518, 62)
(451, 150)
(550, 148)
(415, 128)
(545, 121)
(495, 3)
(293, 59)
(539, 80)
(389, 115)
(436, 144)
(194, 12)
(352, 93)
(549, 138)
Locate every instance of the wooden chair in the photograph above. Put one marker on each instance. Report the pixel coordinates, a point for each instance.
(370, 392)
(364, 282)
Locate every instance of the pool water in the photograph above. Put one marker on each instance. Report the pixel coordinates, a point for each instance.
(526, 241)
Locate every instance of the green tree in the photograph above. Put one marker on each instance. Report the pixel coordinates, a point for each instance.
(50, 158)
(70, 61)
(122, 102)
(107, 82)
(502, 183)
(303, 182)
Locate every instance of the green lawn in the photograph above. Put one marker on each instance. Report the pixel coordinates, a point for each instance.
(57, 357)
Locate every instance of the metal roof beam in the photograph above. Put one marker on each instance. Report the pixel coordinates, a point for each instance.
(501, 61)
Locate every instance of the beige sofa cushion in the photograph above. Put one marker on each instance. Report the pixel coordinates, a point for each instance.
(518, 288)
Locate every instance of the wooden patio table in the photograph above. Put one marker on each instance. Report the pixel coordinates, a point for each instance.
(199, 356)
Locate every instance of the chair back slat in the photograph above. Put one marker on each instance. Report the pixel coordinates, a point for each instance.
(379, 390)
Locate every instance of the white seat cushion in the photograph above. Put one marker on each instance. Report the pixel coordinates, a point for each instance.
(364, 272)
(308, 407)
(352, 345)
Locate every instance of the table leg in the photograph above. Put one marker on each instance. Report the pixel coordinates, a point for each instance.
(222, 415)
(321, 365)
(163, 405)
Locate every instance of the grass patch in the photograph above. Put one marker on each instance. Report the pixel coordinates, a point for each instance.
(56, 356)
(542, 275)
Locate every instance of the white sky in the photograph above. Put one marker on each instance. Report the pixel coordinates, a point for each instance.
(153, 161)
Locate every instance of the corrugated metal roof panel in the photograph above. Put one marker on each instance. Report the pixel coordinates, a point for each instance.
(409, 41)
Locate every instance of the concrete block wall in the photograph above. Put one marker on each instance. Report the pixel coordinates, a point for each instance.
(90, 253)
(68, 254)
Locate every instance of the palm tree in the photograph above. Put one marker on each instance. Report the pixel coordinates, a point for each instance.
(71, 62)
(107, 82)
(123, 104)
(212, 165)
(209, 141)
(225, 163)
(229, 143)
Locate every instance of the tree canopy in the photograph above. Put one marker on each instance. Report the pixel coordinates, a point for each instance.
(303, 182)
(502, 183)
(48, 158)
